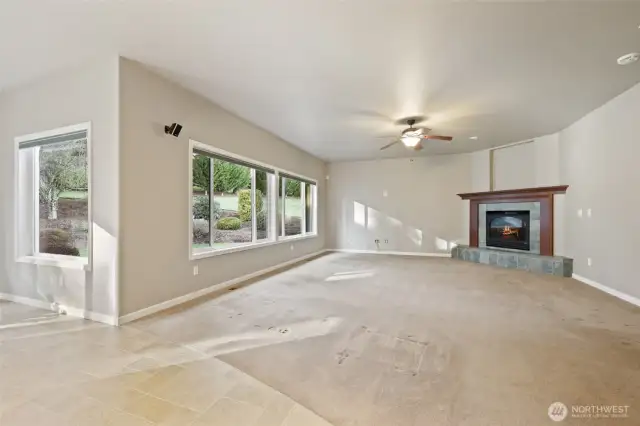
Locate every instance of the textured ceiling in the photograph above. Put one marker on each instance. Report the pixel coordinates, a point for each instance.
(331, 76)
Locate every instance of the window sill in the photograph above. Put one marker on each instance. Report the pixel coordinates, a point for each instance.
(218, 252)
(60, 262)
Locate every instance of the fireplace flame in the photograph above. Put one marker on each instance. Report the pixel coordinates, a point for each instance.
(507, 230)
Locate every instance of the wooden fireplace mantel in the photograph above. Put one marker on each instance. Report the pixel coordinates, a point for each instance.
(514, 193)
(543, 195)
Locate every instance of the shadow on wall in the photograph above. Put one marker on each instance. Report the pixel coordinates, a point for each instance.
(371, 224)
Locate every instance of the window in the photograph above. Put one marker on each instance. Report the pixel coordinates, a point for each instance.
(297, 206)
(53, 194)
(309, 209)
(237, 203)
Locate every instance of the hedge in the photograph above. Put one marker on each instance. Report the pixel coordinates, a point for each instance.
(201, 208)
(244, 203)
(229, 223)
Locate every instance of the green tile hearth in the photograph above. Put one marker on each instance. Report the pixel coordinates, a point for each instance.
(510, 259)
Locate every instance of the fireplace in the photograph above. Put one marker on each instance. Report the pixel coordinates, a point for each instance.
(508, 229)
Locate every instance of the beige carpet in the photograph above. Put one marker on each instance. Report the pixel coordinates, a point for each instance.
(382, 340)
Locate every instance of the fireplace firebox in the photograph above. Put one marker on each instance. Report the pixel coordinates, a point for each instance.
(508, 229)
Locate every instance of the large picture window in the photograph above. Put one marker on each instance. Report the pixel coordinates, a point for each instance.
(53, 194)
(237, 203)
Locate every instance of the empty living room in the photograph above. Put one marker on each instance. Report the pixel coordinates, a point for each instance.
(319, 213)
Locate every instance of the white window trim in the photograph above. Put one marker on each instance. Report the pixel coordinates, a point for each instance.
(58, 260)
(276, 239)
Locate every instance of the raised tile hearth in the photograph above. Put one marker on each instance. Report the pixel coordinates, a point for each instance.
(512, 259)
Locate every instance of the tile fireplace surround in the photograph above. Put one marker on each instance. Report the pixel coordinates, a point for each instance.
(540, 257)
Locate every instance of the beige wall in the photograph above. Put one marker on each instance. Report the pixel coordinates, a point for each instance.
(480, 171)
(412, 203)
(154, 195)
(532, 164)
(527, 165)
(599, 160)
(86, 93)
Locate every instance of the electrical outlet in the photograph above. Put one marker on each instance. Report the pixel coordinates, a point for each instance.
(291, 247)
(386, 241)
(195, 270)
(588, 261)
(376, 241)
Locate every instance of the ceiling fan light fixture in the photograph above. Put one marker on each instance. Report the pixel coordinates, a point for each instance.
(411, 141)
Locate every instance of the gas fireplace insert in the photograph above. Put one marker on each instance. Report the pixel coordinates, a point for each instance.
(508, 229)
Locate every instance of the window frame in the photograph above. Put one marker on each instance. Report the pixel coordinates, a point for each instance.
(272, 201)
(303, 202)
(34, 256)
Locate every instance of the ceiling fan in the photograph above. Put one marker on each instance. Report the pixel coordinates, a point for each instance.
(412, 137)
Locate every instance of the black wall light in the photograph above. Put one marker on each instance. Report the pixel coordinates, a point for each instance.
(173, 130)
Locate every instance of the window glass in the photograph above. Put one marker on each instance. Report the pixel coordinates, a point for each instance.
(309, 207)
(292, 207)
(63, 198)
(280, 207)
(262, 205)
(201, 203)
(232, 201)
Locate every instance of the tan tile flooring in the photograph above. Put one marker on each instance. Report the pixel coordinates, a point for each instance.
(55, 370)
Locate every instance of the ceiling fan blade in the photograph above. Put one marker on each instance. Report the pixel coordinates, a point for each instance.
(390, 144)
(438, 137)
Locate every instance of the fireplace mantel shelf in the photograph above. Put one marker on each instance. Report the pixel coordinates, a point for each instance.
(543, 195)
(542, 191)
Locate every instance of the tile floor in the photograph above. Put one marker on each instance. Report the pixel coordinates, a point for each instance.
(55, 370)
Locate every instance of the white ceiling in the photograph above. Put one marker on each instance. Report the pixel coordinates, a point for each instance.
(331, 75)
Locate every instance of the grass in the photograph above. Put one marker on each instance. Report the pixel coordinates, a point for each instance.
(74, 195)
(293, 206)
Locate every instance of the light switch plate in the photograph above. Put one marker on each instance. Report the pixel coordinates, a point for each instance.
(579, 212)
(588, 212)
(195, 270)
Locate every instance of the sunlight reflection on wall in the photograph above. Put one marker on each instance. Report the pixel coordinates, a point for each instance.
(444, 245)
(359, 214)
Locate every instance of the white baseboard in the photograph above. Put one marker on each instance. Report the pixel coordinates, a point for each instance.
(395, 253)
(93, 316)
(620, 295)
(34, 303)
(73, 312)
(205, 291)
